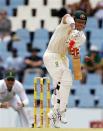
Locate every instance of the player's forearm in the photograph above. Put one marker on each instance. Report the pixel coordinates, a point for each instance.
(24, 98)
(4, 105)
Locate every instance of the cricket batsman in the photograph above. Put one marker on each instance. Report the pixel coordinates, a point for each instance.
(67, 39)
(12, 94)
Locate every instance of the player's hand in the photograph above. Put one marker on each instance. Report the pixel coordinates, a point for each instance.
(5, 105)
(20, 105)
(75, 52)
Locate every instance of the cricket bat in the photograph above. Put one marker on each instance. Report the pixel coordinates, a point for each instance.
(76, 68)
(74, 52)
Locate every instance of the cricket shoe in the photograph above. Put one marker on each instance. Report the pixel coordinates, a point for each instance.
(61, 116)
(53, 119)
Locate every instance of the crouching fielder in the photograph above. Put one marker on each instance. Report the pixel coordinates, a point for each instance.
(9, 88)
(67, 37)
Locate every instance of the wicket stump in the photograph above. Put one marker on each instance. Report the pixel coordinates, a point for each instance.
(41, 86)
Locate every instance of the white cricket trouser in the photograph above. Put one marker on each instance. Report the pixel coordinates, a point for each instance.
(58, 69)
(21, 112)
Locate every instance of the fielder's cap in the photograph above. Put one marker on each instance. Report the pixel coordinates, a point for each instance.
(80, 15)
(10, 74)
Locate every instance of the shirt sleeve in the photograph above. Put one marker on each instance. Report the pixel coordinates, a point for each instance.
(22, 94)
(68, 19)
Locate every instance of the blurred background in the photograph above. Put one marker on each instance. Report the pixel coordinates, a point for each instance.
(26, 27)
